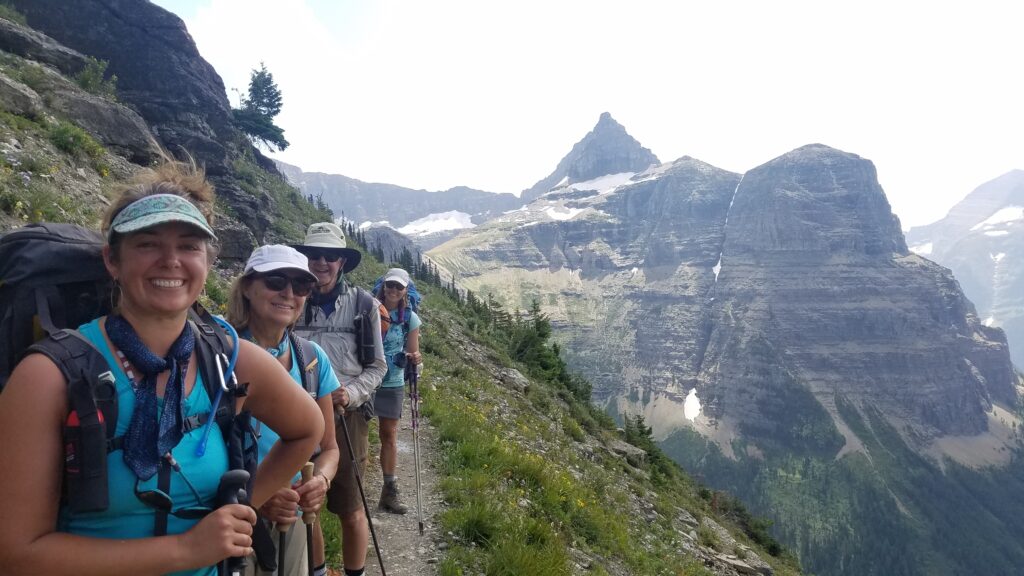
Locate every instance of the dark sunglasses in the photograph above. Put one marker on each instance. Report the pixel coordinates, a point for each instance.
(278, 282)
(394, 285)
(160, 500)
(318, 254)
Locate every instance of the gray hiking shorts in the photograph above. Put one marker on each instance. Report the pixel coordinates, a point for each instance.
(387, 402)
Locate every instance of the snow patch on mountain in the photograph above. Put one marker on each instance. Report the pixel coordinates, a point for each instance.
(1003, 216)
(557, 214)
(603, 184)
(438, 222)
(379, 224)
(922, 249)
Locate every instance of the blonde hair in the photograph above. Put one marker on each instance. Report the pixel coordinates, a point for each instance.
(239, 308)
(183, 179)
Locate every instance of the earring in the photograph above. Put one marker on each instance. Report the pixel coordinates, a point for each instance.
(115, 294)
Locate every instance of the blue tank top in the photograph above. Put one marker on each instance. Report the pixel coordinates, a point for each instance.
(394, 343)
(127, 516)
(328, 383)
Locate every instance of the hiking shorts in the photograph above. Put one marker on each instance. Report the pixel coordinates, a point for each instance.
(343, 497)
(387, 402)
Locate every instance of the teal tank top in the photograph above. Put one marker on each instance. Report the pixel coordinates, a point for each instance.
(127, 517)
(328, 383)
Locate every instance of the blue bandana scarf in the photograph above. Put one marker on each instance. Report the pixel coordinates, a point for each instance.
(144, 443)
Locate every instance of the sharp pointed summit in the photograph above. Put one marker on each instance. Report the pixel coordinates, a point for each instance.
(607, 149)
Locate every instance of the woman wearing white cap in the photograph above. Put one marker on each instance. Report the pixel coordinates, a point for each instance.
(160, 247)
(264, 304)
(401, 348)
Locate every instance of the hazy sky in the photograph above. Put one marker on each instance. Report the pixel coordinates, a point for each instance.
(487, 94)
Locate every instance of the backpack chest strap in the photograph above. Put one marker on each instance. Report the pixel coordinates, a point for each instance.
(189, 424)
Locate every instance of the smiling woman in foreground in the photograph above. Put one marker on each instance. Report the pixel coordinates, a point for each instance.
(159, 249)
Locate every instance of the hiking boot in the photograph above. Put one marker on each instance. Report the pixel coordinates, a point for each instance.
(390, 501)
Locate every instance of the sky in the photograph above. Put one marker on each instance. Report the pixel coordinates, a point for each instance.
(492, 94)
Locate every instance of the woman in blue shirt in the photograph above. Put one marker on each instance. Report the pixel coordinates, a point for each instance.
(159, 248)
(401, 348)
(265, 302)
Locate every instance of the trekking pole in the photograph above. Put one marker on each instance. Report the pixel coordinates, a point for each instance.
(232, 491)
(362, 494)
(414, 397)
(308, 518)
(282, 534)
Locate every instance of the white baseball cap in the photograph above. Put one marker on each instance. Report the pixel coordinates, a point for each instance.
(397, 275)
(277, 257)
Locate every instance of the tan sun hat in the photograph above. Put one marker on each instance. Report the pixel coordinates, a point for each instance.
(328, 237)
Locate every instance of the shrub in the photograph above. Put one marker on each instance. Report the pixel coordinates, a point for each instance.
(33, 76)
(707, 538)
(91, 79)
(78, 143)
(8, 12)
(75, 141)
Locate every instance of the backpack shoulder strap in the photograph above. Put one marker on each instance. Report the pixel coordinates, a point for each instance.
(307, 361)
(89, 378)
(211, 341)
(92, 403)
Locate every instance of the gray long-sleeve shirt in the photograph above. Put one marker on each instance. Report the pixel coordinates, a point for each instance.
(334, 334)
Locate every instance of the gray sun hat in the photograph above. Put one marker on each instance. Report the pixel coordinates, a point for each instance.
(328, 237)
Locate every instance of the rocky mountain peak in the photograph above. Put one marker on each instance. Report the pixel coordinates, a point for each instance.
(818, 201)
(607, 149)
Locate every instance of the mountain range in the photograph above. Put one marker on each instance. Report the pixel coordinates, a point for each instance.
(768, 325)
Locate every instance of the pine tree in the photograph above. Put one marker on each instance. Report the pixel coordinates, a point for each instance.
(264, 95)
(256, 116)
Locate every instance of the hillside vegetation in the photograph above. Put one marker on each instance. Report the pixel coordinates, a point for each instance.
(539, 481)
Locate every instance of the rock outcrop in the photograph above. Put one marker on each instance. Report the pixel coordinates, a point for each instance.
(32, 45)
(161, 75)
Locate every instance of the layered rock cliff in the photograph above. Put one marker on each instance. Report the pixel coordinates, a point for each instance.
(817, 286)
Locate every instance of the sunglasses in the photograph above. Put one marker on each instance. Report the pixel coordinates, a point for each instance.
(318, 254)
(160, 500)
(278, 282)
(394, 285)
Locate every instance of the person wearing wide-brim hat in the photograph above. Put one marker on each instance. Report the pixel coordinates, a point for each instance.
(328, 240)
(328, 320)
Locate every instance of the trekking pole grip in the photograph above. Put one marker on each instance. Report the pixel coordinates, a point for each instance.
(232, 491)
(307, 475)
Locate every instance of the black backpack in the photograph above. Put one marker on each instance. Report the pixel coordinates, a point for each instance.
(52, 280)
(52, 276)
